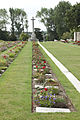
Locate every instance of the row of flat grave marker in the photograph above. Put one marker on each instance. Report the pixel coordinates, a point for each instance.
(41, 86)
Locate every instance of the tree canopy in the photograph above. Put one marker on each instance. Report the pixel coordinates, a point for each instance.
(17, 19)
(73, 17)
(62, 19)
(3, 19)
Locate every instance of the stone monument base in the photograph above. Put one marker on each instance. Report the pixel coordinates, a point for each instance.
(33, 37)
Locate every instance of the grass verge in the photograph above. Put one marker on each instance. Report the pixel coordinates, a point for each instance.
(15, 87)
(67, 54)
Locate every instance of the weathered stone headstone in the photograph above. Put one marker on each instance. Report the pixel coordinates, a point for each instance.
(47, 110)
(76, 36)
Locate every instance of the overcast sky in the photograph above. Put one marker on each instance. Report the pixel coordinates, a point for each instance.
(31, 7)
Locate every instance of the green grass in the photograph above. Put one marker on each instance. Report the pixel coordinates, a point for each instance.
(15, 91)
(15, 87)
(67, 54)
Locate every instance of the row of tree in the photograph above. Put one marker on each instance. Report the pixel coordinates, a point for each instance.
(17, 19)
(61, 21)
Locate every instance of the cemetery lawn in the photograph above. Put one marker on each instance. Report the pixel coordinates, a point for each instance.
(67, 54)
(16, 91)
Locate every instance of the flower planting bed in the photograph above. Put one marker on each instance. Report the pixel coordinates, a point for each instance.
(7, 58)
(77, 43)
(6, 45)
(48, 95)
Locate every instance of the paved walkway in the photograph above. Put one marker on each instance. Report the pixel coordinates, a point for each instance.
(64, 70)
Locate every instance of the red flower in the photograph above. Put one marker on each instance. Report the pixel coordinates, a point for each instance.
(44, 61)
(43, 67)
(4, 56)
(22, 42)
(32, 103)
(45, 89)
(36, 66)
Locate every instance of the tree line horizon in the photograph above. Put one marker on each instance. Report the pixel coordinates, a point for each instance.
(60, 22)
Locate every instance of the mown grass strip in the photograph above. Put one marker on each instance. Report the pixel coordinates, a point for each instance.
(15, 87)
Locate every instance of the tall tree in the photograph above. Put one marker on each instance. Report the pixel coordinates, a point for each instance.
(46, 17)
(26, 25)
(39, 34)
(73, 17)
(12, 18)
(20, 19)
(59, 17)
(3, 19)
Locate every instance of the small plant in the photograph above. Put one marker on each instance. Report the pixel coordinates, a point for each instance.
(3, 48)
(46, 71)
(50, 82)
(5, 56)
(60, 102)
(36, 75)
(53, 91)
(16, 50)
(11, 55)
(44, 98)
(48, 98)
(3, 62)
(41, 79)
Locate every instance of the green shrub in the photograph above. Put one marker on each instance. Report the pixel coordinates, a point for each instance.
(16, 50)
(3, 62)
(11, 55)
(24, 36)
(66, 35)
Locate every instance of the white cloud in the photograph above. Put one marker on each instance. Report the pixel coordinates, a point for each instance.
(31, 6)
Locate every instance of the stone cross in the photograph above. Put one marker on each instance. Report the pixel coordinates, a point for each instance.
(33, 36)
(32, 24)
